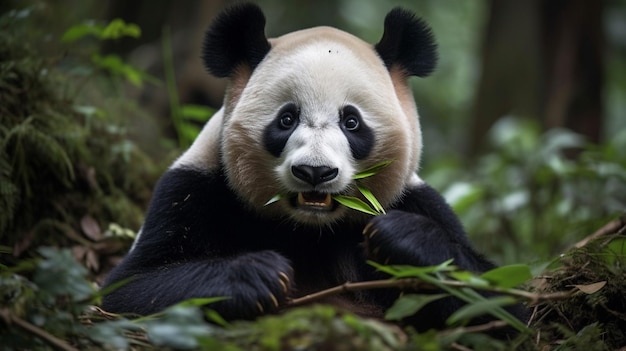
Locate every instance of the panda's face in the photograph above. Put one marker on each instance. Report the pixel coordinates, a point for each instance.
(317, 110)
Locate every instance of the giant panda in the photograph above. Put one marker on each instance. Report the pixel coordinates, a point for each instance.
(302, 114)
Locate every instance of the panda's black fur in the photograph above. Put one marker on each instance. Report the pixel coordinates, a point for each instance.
(202, 237)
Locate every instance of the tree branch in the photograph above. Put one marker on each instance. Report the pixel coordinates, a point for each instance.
(475, 328)
(417, 284)
(612, 227)
(11, 319)
(368, 285)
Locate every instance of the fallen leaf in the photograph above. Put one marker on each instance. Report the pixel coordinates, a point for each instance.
(91, 261)
(91, 228)
(591, 288)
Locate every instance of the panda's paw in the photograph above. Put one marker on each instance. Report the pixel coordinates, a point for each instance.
(257, 283)
(400, 237)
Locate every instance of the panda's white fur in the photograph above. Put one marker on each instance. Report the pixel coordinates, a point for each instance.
(303, 113)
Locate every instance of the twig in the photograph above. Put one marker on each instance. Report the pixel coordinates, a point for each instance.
(459, 347)
(476, 328)
(609, 228)
(368, 285)
(10, 318)
(416, 284)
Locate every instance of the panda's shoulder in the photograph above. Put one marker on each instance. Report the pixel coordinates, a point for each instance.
(189, 188)
(422, 199)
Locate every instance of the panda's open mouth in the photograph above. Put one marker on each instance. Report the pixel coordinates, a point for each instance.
(314, 200)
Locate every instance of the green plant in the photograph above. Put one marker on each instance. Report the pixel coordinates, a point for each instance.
(111, 63)
(65, 167)
(187, 118)
(537, 191)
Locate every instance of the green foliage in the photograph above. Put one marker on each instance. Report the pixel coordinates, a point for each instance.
(446, 278)
(410, 304)
(317, 327)
(508, 276)
(60, 161)
(116, 29)
(50, 304)
(57, 305)
(114, 64)
(536, 191)
(186, 119)
(357, 204)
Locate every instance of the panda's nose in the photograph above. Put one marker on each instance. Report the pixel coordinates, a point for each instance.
(314, 175)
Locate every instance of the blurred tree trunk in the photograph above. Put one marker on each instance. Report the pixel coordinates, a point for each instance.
(544, 60)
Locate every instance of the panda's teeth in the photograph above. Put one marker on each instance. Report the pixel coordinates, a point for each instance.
(314, 199)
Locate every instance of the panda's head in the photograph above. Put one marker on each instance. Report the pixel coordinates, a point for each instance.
(306, 111)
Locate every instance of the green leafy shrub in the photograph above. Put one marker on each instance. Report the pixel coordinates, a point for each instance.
(66, 169)
(534, 192)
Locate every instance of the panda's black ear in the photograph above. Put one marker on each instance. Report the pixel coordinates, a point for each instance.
(408, 42)
(236, 37)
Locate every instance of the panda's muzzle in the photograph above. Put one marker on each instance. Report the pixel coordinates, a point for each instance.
(315, 201)
(314, 176)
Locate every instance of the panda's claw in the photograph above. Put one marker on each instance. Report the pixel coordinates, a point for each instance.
(274, 300)
(284, 281)
(376, 251)
(367, 228)
(284, 278)
(374, 232)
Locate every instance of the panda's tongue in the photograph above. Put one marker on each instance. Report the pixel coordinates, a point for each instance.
(314, 199)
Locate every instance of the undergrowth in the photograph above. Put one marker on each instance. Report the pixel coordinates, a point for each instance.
(67, 170)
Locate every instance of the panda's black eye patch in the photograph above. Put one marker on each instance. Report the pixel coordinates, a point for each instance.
(280, 128)
(359, 135)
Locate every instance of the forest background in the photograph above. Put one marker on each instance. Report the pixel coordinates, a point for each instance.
(524, 120)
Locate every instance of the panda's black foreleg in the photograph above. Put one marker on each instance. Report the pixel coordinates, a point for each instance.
(407, 238)
(253, 284)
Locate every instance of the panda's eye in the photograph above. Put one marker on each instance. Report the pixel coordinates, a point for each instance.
(351, 123)
(288, 117)
(287, 120)
(350, 119)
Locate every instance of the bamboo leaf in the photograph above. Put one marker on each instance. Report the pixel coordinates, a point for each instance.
(372, 199)
(408, 305)
(479, 308)
(274, 199)
(368, 172)
(508, 276)
(398, 271)
(469, 278)
(355, 204)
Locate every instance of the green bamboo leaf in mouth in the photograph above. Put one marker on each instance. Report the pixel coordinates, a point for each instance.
(373, 208)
